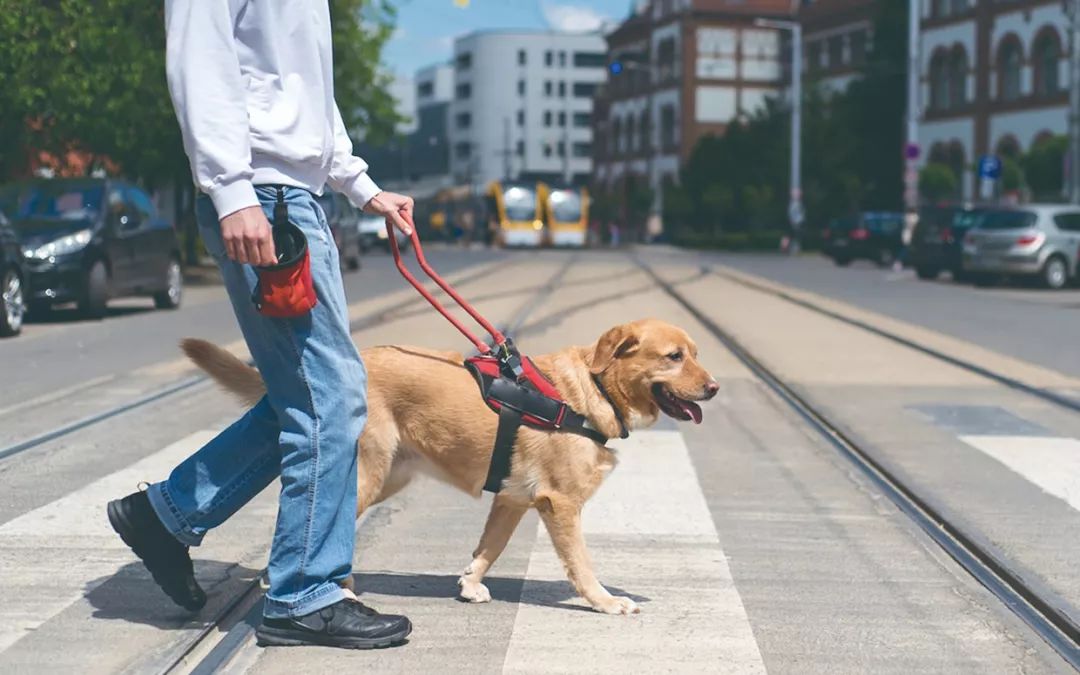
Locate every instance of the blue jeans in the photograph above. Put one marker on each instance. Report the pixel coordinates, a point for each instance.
(304, 430)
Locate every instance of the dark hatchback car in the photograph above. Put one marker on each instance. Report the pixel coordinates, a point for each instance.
(13, 288)
(871, 235)
(937, 244)
(344, 221)
(87, 240)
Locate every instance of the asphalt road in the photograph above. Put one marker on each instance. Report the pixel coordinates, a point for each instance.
(1021, 320)
(750, 544)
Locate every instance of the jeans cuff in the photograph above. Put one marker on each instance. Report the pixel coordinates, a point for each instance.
(170, 516)
(324, 595)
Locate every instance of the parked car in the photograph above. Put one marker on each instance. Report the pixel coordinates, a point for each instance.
(343, 218)
(871, 235)
(373, 233)
(13, 288)
(88, 240)
(1034, 240)
(937, 243)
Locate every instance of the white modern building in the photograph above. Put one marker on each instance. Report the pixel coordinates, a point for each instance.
(522, 105)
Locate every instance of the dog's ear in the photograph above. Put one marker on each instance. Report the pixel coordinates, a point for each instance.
(614, 344)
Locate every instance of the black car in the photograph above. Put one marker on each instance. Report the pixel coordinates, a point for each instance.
(344, 220)
(871, 235)
(87, 240)
(13, 286)
(937, 245)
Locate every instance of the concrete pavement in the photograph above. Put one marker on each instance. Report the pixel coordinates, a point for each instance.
(748, 543)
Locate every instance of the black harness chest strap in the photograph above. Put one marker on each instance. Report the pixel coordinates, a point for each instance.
(499, 468)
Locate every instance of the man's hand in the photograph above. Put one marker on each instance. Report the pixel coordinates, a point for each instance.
(248, 238)
(394, 208)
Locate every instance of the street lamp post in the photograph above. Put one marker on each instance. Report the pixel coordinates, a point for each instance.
(1072, 8)
(796, 212)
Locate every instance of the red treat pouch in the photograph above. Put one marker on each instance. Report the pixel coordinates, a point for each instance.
(286, 290)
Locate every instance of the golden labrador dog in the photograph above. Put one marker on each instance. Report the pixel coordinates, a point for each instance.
(425, 413)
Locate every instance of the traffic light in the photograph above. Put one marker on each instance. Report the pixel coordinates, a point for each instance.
(615, 67)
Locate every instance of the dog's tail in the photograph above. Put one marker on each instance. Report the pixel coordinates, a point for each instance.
(230, 372)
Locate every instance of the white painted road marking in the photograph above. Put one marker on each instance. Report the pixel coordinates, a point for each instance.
(1053, 464)
(651, 535)
(54, 555)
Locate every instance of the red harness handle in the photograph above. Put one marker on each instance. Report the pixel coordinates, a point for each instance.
(481, 347)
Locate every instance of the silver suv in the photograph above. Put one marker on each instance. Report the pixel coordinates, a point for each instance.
(1040, 240)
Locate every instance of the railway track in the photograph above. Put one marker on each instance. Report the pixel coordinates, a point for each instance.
(1042, 611)
(193, 383)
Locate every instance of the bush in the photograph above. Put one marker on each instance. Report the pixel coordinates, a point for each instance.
(761, 240)
(937, 181)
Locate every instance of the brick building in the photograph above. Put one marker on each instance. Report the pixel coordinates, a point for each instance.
(690, 67)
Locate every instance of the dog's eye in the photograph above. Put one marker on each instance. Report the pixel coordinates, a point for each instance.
(675, 356)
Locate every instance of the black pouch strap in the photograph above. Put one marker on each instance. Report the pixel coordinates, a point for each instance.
(499, 469)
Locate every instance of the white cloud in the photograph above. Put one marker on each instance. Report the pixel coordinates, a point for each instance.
(573, 18)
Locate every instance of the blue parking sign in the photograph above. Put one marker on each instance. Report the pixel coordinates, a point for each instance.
(989, 167)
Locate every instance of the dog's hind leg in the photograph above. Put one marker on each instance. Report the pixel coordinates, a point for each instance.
(562, 518)
(502, 520)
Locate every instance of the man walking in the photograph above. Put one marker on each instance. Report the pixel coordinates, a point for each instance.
(252, 85)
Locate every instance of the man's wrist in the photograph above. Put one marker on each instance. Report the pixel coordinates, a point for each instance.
(229, 198)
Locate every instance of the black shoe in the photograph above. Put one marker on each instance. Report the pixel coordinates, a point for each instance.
(347, 623)
(167, 559)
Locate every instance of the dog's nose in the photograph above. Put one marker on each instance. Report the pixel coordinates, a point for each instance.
(711, 389)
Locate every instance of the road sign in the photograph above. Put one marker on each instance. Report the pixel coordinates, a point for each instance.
(911, 151)
(989, 167)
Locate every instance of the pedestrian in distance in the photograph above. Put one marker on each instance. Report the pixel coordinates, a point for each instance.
(252, 86)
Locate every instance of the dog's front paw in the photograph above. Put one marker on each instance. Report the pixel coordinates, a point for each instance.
(615, 605)
(473, 591)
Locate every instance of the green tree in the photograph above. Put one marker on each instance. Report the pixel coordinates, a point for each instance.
(1044, 167)
(361, 86)
(937, 181)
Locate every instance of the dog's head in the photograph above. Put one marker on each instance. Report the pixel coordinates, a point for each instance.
(652, 367)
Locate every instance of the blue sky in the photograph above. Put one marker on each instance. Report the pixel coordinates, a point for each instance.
(426, 28)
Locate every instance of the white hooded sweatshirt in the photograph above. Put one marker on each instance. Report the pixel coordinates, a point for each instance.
(253, 87)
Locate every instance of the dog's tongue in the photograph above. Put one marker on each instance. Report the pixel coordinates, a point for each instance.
(692, 409)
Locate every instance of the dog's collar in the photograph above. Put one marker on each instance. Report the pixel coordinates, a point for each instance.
(623, 431)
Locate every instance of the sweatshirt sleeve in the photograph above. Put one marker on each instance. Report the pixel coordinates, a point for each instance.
(348, 173)
(209, 95)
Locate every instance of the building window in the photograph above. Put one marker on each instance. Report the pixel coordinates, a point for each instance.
(463, 91)
(836, 51)
(940, 8)
(562, 90)
(582, 120)
(813, 57)
(463, 150)
(549, 58)
(562, 149)
(590, 60)
(562, 119)
(1047, 60)
(582, 149)
(562, 59)
(521, 118)
(1010, 59)
(939, 82)
(667, 127)
(631, 133)
(584, 89)
(616, 137)
(548, 88)
(521, 148)
(521, 87)
(547, 149)
(957, 78)
(464, 120)
(644, 129)
(425, 89)
(547, 118)
(463, 61)
(522, 59)
(858, 47)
